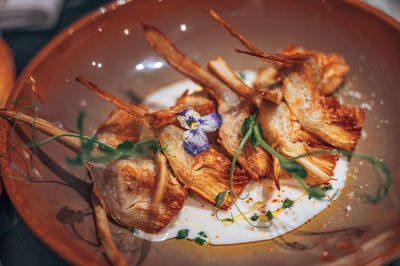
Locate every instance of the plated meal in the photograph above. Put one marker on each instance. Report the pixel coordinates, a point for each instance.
(243, 156)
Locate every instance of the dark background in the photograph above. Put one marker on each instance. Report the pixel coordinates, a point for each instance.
(18, 245)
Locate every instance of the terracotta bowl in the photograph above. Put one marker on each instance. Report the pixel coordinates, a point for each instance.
(108, 44)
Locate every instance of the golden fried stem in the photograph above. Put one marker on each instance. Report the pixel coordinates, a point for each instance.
(219, 67)
(44, 126)
(164, 47)
(162, 174)
(276, 61)
(138, 112)
(104, 234)
(233, 31)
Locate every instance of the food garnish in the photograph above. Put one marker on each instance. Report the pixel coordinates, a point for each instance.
(287, 203)
(183, 234)
(269, 215)
(195, 138)
(199, 240)
(202, 234)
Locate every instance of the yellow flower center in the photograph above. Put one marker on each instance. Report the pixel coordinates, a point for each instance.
(193, 124)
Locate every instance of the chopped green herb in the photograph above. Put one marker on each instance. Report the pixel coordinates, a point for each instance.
(254, 218)
(200, 241)
(242, 76)
(134, 230)
(327, 188)
(182, 234)
(287, 203)
(269, 215)
(202, 234)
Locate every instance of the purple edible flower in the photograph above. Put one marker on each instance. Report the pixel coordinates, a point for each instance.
(195, 138)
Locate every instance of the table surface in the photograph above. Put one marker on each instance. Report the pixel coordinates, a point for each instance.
(18, 245)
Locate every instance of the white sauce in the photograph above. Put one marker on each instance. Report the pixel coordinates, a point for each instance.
(198, 216)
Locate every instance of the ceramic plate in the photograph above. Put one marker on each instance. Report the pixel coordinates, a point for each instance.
(107, 45)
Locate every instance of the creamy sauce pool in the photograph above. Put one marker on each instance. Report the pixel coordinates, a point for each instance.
(199, 216)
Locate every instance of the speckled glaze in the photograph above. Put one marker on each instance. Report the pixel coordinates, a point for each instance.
(108, 47)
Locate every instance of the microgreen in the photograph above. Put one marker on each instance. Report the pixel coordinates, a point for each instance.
(384, 178)
(383, 175)
(106, 153)
(92, 150)
(226, 195)
(134, 230)
(250, 129)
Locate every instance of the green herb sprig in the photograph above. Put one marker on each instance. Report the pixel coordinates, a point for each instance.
(251, 130)
(106, 153)
(92, 150)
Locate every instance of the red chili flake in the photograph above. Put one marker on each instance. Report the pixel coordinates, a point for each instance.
(250, 198)
(263, 211)
(292, 212)
(252, 229)
(313, 202)
(286, 213)
(247, 201)
(186, 219)
(202, 205)
(279, 195)
(283, 191)
(294, 219)
(212, 214)
(341, 189)
(216, 236)
(284, 227)
(275, 200)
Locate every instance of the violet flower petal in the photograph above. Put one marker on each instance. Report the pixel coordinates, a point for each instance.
(195, 141)
(187, 117)
(210, 122)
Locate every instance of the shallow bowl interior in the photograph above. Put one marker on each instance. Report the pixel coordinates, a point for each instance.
(108, 48)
